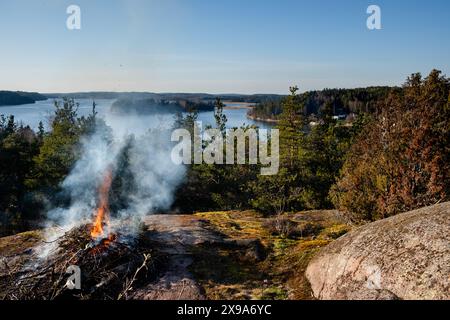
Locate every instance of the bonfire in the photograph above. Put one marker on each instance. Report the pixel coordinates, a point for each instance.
(111, 264)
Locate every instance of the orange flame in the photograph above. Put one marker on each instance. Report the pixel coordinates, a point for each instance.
(102, 214)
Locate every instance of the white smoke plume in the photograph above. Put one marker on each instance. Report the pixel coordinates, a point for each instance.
(155, 176)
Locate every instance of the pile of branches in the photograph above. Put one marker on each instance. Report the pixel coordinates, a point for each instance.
(110, 269)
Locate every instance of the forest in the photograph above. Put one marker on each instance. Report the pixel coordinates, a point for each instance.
(151, 106)
(12, 98)
(393, 157)
(342, 101)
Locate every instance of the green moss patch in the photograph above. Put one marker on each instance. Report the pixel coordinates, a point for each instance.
(226, 273)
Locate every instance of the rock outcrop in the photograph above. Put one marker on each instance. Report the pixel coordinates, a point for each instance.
(403, 257)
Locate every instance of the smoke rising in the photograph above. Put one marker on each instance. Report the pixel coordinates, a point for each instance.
(145, 182)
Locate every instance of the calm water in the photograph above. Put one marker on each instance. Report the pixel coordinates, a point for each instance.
(31, 114)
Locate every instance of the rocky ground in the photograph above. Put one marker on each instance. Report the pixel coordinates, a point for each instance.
(305, 255)
(220, 255)
(403, 257)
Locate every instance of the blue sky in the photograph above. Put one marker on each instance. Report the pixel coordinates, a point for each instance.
(241, 46)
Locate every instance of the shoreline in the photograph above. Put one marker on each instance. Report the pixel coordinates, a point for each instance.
(273, 121)
(238, 105)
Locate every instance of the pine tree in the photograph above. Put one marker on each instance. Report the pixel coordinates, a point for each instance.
(41, 131)
(17, 149)
(59, 151)
(220, 117)
(291, 128)
(285, 191)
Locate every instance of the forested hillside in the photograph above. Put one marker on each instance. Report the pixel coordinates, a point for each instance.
(12, 98)
(150, 106)
(342, 101)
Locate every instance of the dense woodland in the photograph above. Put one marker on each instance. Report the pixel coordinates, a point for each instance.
(393, 157)
(342, 101)
(152, 106)
(13, 98)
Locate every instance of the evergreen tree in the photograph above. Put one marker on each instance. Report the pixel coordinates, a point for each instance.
(220, 117)
(41, 131)
(326, 146)
(286, 190)
(291, 126)
(18, 146)
(59, 150)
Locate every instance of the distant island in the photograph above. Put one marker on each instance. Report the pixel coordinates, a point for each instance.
(149, 102)
(14, 98)
(168, 96)
(153, 106)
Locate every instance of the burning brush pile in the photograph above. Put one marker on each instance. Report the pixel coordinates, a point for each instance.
(110, 264)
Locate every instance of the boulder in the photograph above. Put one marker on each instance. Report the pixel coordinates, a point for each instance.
(402, 257)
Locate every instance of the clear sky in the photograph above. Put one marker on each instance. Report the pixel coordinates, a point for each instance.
(218, 46)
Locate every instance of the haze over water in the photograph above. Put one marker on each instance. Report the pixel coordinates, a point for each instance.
(32, 114)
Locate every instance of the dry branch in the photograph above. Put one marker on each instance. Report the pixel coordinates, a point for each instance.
(108, 270)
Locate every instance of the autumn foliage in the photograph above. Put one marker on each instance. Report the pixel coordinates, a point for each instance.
(400, 161)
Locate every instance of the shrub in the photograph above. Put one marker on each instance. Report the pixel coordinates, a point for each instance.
(281, 226)
(308, 229)
(286, 228)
